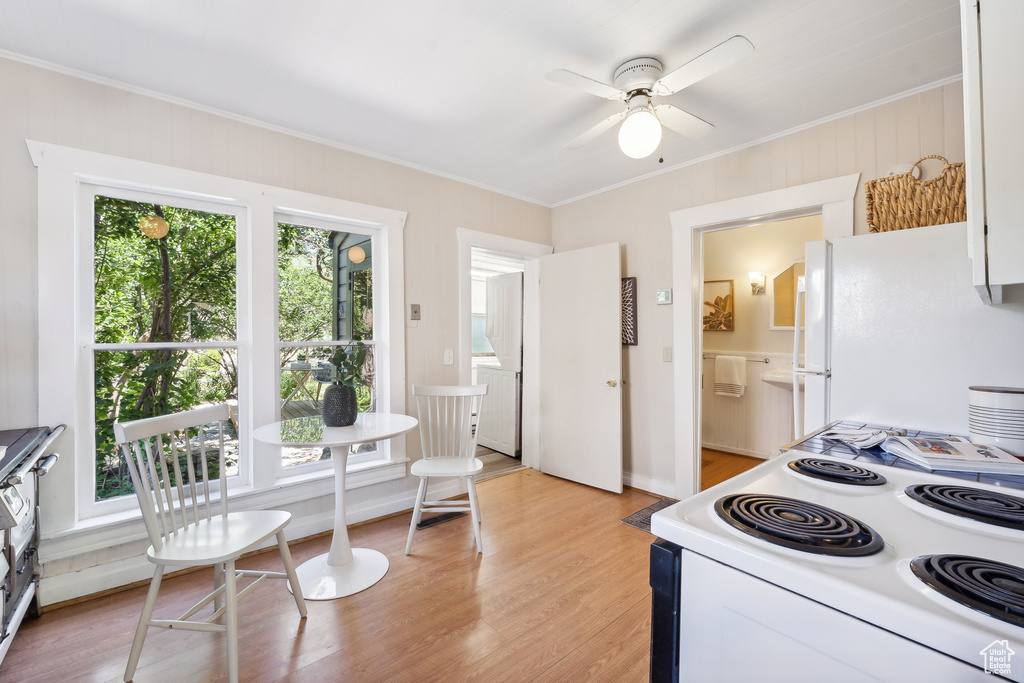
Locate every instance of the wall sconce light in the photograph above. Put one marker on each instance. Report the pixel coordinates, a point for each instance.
(356, 254)
(757, 282)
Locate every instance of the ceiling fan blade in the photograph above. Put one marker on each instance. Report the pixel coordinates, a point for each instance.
(574, 80)
(682, 122)
(699, 68)
(596, 130)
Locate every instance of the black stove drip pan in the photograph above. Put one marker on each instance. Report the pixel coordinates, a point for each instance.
(989, 507)
(799, 525)
(838, 472)
(990, 587)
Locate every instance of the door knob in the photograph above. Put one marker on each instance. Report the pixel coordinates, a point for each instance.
(612, 383)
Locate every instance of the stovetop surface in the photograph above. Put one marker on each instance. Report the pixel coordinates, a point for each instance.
(18, 443)
(879, 588)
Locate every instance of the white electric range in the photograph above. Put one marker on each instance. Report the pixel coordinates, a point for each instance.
(884, 594)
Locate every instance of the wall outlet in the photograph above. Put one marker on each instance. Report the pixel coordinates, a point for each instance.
(414, 311)
(449, 357)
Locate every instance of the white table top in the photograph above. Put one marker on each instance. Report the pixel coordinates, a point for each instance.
(310, 431)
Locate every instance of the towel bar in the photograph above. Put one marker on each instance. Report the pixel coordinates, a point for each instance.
(749, 360)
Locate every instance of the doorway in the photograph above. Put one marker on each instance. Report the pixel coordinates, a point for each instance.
(589, 280)
(741, 426)
(527, 254)
(833, 199)
(496, 314)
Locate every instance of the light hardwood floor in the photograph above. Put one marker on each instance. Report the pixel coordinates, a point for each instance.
(561, 593)
(717, 466)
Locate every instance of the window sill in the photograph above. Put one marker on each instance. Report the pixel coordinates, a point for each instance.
(98, 533)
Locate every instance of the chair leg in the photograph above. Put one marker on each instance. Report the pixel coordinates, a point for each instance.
(417, 512)
(231, 620)
(144, 619)
(293, 578)
(218, 581)
(474, 510)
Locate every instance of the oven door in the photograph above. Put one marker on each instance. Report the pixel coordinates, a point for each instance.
(22, 533)
(736, 627)
(22, 545)
(6, 575)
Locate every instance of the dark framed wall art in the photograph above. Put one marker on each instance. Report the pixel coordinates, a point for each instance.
(629, 311)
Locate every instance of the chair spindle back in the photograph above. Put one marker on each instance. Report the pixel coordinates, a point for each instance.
(446, 419)
(154, 447)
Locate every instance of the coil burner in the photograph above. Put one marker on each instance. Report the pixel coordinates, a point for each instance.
(838, 472)
(799, 525)
(989, 507)
(990, 587)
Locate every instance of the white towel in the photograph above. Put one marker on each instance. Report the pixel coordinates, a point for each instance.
(730, 375)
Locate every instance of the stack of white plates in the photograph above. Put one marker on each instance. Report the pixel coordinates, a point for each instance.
(996, 417)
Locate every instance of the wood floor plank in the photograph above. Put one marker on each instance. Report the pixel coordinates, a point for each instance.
(614, 653)
(717, 466)
(560, 593)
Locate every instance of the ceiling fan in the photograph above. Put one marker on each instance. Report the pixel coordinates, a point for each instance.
(637, 81)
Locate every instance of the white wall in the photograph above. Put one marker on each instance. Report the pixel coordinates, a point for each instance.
(870, 142)
(55, 108)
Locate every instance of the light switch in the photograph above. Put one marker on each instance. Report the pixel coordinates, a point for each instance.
(666, 354)
(449, 357)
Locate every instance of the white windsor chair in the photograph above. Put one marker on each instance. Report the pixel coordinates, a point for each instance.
(188, 528)
(449, 448)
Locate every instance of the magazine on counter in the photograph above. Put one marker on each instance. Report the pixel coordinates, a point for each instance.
(954, 454)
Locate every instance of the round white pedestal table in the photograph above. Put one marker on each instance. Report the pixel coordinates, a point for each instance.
(343, 570)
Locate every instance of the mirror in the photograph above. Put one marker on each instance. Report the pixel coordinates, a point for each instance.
(783, 297)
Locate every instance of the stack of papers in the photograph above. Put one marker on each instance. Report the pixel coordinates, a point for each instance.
(862, 438)
(954, 454)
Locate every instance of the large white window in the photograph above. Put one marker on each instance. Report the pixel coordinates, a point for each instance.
(159, 291)
(325, 303)
(164, 325)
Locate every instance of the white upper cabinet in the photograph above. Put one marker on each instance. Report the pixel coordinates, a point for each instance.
(993, 54)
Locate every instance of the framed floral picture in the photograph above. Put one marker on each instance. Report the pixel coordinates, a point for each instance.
(718, 305)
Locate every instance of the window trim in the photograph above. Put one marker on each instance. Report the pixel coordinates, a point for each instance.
(383, 452)
(61, 173)
(85, 294)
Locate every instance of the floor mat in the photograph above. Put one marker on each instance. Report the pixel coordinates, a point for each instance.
(641, 519)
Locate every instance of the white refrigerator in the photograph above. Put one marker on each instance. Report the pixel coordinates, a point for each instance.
(895, 332)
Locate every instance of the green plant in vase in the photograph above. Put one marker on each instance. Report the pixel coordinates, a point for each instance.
(340, 404)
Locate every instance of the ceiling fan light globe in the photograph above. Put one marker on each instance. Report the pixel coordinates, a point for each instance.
(640, 134)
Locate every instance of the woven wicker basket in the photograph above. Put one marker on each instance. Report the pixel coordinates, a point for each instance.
(901, 201)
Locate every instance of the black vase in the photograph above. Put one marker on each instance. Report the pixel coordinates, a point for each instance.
(340, 407)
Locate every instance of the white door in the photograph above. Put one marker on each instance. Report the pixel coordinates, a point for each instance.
(817, 368)
(499, 424)
(498, 428)
(581, 365)
(504, 328)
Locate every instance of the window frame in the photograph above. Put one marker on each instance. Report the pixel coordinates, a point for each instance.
(65, 239)
(383, 448)
(86, 295)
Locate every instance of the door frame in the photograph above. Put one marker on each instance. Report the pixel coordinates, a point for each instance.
(529, 252)
(833, 199)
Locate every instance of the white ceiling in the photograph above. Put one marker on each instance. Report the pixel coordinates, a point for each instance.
(457, 87)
